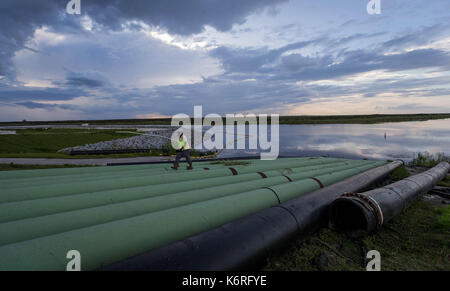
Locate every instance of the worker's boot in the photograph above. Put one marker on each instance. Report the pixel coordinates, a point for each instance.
(175, 166)
(189, 167)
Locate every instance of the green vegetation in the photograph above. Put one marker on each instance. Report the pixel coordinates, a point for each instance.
(418, 239)
(12, 167)
(330, 119)
(445, 182)
(428, 160)
(46, 142)
(399, 174)
(66, 156)
(443, 221)
(360, 119)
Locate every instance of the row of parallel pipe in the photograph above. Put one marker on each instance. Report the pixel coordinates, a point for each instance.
(244, 244)
(34, 237)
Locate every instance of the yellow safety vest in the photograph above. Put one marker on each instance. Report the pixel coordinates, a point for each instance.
(183, 143)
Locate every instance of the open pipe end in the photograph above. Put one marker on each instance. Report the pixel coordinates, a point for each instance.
(352, 216)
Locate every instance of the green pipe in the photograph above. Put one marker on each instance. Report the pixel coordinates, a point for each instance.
(113, 241)
(110, 242)
(8, 175)
(295, 189)
(105, 172)
(45, 206)
(102, 172)
(41, 176)
(25, 229)
(38, 181)
(57, 189)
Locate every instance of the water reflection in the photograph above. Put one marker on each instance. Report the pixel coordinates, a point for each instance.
(374, 141)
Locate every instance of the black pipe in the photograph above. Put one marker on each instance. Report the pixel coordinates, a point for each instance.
(108, 152)
(359, 214)
(244, 244)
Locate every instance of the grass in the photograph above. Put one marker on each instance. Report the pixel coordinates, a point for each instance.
(331, 119)
(399, 174)
(13, 167)
(66, 156)
(360, 119)
(418, 239)
(428, 160)
(46, 142)
(445, 182)
(443, 221)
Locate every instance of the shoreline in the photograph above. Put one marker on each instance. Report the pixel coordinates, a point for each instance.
(287, 120)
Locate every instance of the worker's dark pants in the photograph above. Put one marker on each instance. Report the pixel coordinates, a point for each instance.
(183, 154)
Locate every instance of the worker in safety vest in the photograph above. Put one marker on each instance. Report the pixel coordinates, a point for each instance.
(184, 150)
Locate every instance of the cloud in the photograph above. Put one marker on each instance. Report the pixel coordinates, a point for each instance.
(134, 58)
(251, 60)
(423, 36)
(18, 21)
(179, 17)
(14, 94)
(89, 80)
(34, 105)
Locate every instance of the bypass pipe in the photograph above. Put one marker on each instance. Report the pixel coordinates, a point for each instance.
(83, 178)
(359, 214)
(25, 229)
(126, 173)
(21, 179)
(8, 175)
(45, 206)
(113, 241)
(245, 243)
(68, 188)
(30, 175)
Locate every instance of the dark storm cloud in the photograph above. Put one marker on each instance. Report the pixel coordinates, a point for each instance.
(86, 80)
(35, 105)
(18, 21)
(298, 67)
(20, 18)
(337, 61)
(30, 94)
(251, 60)
(179, 17)
(222, 97)
(329, 66)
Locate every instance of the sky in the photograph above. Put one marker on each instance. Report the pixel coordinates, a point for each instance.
(153, 58)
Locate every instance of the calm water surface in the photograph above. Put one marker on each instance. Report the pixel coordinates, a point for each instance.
(403, 140)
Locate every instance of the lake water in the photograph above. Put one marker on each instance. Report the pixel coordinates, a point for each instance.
(403, 140)
(355, 141)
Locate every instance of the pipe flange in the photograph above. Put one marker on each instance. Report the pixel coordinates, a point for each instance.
(371, 203)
